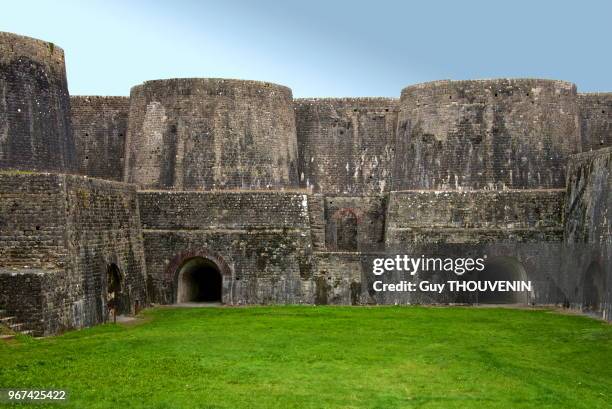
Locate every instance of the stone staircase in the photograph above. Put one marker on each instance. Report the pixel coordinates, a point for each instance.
(12, 325)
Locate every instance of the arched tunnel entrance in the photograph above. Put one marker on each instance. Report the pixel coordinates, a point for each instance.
(503, 269)
(593, 288)
(199, 280)
(114, 290)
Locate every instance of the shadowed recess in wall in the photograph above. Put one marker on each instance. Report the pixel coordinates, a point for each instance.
(503, 269)
(199, 280)
(594, 284)
(114, 288)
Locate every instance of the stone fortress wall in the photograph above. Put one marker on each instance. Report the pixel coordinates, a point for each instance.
(262, 239)
(588, 231)
(234, 192)
(59, 236)
(346, 145)
(99, 127)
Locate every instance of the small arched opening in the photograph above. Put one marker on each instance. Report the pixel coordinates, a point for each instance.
(199, 280)
(503, 269)
(593, 288)
(114, 289)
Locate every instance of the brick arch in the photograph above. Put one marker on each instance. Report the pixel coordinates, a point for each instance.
(173, 268)
(344, 212)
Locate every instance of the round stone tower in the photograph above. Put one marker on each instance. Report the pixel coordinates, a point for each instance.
(35, 131)
(204, 133)
(486, 134)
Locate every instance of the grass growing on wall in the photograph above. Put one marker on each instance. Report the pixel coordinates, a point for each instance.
(316, 357)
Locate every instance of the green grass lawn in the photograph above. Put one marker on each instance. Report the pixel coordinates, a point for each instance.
(324, 357)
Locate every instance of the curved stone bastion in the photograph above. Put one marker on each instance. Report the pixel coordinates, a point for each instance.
(35, 131)
(486, 134)
(207, 134)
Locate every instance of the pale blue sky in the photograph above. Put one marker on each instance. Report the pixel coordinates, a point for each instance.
(321, 48)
